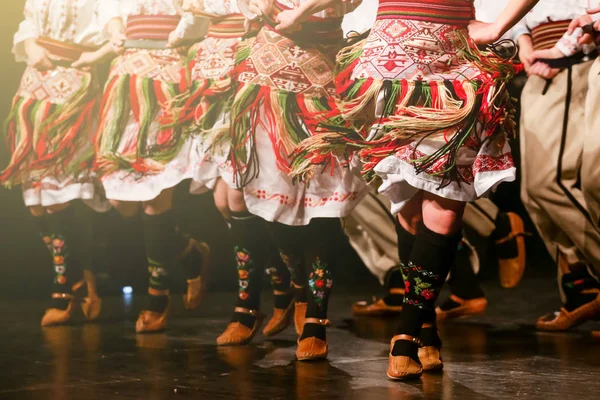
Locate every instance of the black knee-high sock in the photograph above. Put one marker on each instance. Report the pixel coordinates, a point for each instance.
(67, 271)
(248, 233)
(279, 276)
(395, 278)
(321, 254)
(426, 272)
(463, 282)
(45, 234)
(290, 241)
(159, 239)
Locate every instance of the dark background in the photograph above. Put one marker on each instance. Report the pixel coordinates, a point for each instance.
(26, 269)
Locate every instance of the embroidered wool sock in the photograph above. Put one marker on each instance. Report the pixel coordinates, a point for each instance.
(249, 233)
(159, 239)
(424, 277)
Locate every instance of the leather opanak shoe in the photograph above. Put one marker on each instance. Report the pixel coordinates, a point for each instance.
(312, 348)
(236, 333)
(299, 316)
(196, 287)
(378, 307)
(564, 319)
(430, 356)
(511, 270)
(280, 320)
(465, 308)
(152, 321)
(402, 368)
(195, 293)
(56, 316)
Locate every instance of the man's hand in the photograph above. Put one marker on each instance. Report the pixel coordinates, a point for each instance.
(543, 70)
(87, 60)
(287, 21)
(483, 32)
(37, 56)
(117, 42)
(526, 52)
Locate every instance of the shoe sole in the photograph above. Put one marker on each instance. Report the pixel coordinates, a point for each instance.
(317, 358)
(285, 322)
(459, 312)
(405, 377)
(586, 313)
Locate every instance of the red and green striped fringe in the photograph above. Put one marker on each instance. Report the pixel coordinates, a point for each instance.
(414, 110)
(46, 139)
(148, 100)
(288, 118)
(201, 103)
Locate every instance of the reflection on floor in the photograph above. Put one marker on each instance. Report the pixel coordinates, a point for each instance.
(497, 355)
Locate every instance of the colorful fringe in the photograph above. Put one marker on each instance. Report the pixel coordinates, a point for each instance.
(147, 99)
(289, 118)
(414, 111)
(45, 139)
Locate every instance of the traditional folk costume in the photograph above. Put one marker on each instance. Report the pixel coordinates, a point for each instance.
(552, 143)
(139, 157)
(441, 113)
(204, 110)
(49, 135)
(285, 88)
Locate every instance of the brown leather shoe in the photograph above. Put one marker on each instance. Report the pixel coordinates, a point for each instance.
(312, 348)
(151, 321)
(511, 270)
(402, 368)
(91, 307)
(299, 316)
(196, 287)
(280, 320)
(431, 358)
(195, 293)
(564, 320)
(377, 308)
(92, 304)
(55, 316)
(465, 308)
(237, 334)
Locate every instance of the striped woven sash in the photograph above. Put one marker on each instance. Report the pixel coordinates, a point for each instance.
(545, 36)
(65, 51)
(231, 26)
(451, 12)
(151, 27)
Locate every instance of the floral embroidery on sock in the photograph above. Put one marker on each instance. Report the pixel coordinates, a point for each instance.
(421, 286)
(58, 249)
(244, 265)
(320, 282)
(158, 275)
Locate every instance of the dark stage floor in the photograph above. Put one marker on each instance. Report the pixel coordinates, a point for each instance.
(498, 355)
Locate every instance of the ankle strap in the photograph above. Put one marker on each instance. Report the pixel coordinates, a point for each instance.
(318, 321)
(407, 338)
(397, 291)
(154, 292)
(63, 296)
(242, 310)
(512, 236)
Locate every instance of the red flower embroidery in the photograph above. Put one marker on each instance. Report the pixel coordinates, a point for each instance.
(320, 283)
(428, 294)
(406, 286)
